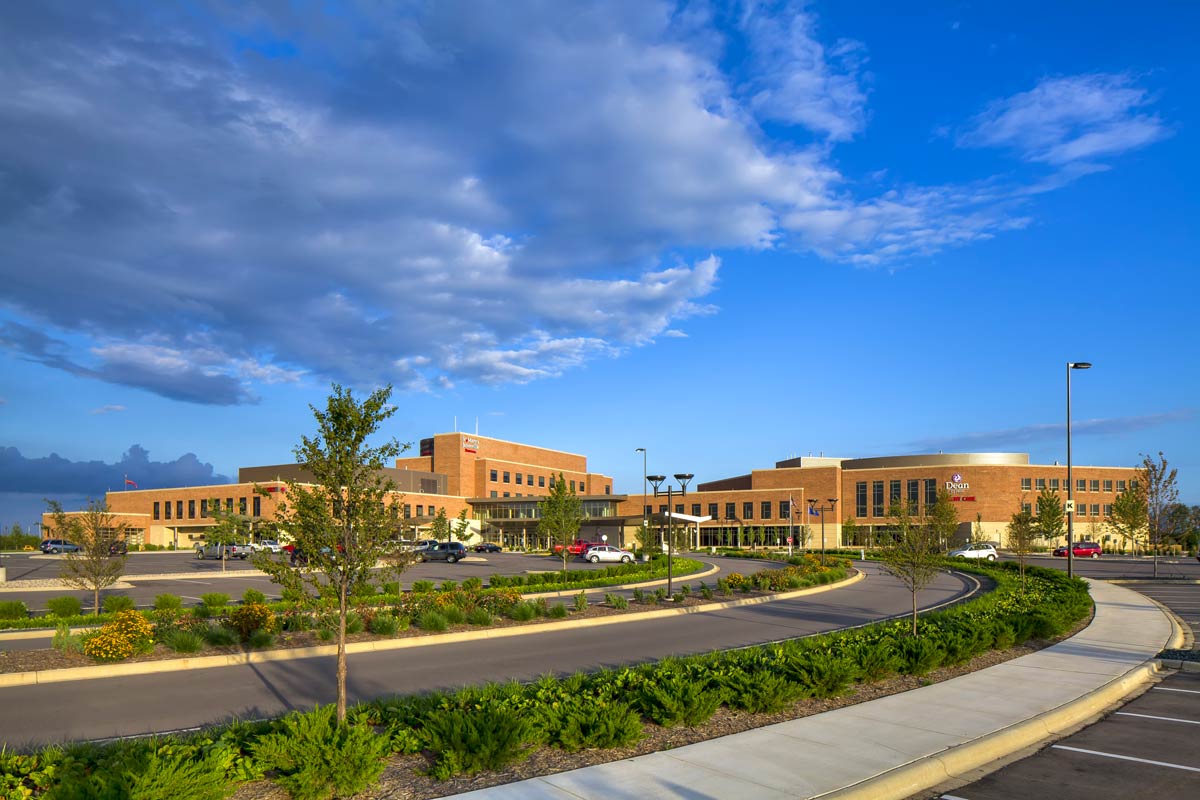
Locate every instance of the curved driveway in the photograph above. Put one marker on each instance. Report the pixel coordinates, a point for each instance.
(171, 701)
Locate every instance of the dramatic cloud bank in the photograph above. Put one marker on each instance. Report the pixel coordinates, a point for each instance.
(197, 200)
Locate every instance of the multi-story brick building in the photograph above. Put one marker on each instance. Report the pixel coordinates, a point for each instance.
(500, 484)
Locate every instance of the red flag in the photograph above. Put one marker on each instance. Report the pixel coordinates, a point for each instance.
(130, 483)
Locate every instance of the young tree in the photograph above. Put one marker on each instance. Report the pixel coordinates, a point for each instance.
(942, 518)
(560, 514)
(462, 526)
(1156, 481)
(92, 568)
(1050, 518)
(343, 521)
(850, 530)
(1021, 533)
(913, 557)
(646, 539)
(440, 527)
(977, 535)
(1129, 517)
(230, 528)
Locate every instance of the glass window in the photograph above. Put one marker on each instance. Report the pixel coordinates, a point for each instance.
(877, 498)
(493, 475)
(730, 511)
(1095, 509)
(1108, 509)
(1082, 509)
(679, 508)
(712, 510)
(1054, 484)
(1080, 485)
(1027, 508)
(506, 494)
(662, 509)
(572, 484)
(765, 509)
(420, 511)
(529, 479)
(894, 491)
(914, 492)
(930, 492)
(204, 508)
(1108, 486)
(191, 509)
(695, 509)
(495, 493)
(228, 505)
(1094, 484)
(860, 498)
(608, 489)
(1133, 485)
(647, 510)
(156, 512)
(178, 509)
(1026, 484)
(520, 479)
(257, 505)
(1120, 486)
(748, 510)
(1041, 484)
(168, 508)
(506, 477)
(408, 508)
(542, 481)
(242, 506)
(785, 509)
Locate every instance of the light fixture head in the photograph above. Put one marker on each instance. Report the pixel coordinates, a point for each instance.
(639, 450)
(812, 501)
(1080, 365)
(656, 479)
(833, 501)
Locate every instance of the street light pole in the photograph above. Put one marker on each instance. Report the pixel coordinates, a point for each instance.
(683, 478)
(1070, 482)
(645, 521)
(832, 505)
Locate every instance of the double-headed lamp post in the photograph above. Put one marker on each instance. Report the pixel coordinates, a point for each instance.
(1070, 483)
(683, 478)
(645, 516)
(821, 510)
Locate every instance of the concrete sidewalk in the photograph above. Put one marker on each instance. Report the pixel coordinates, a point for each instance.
(903, 744)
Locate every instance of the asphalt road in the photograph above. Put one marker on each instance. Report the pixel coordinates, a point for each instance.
(1122, 567)
(1150, 747)
(156, 703)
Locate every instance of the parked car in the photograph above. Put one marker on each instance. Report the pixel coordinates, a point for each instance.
(269, 546)
(444, 551)
(56, 546)
(577, 547)
(606, 552)
(1081, 550)
(118, 547)
(984, 550)
(424, 544)
(488, 547)
(241, 551)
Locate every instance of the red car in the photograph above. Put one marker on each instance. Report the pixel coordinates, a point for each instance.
(577, 547)
(1081, 550)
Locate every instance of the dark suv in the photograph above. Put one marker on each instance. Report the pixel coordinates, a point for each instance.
(444, 551)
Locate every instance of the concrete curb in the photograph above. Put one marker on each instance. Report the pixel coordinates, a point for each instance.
(263, 656)
(933, 771)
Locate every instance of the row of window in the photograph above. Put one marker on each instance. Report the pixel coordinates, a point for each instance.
(174, 509)
(764, 510)
(1081, 509)
(526, 479)
(1081, 485)
(912, 489)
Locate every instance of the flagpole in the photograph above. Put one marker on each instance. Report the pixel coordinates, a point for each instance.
(802, 528)
(791, 521)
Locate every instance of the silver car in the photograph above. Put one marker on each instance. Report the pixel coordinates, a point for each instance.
(606, 552)
(985, 551)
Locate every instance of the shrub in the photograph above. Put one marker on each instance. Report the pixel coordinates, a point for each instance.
(66, 642)
(523, 611)
(454, 615)
(477, 739)
(117, 602)
(919, 656)
(133, 627)
(706, 591)
(422, 587)
(557, 611)
(65, 606)
(877, 659)
(679, 597)
(581, 602)
(384, 625)
(479, 616)
(824, 674)
(167, 602)
(391, 587)
(249, 618)
(449, 586)
(314, 758)
(354, 623)
(220, 636)
(660, 594)
(261, 639)
(588, 723)
(639, 596)
(616, 601)
(472, 584)
(291, 595)
(253, 596)
(214, 601)
(676, 698)
(760, 692)
(107, 645)
(183, 641)
(685, 589)
(432, 621)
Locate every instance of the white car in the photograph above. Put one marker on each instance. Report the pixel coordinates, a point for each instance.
(985, 551)
(269, 545)
(606, 552)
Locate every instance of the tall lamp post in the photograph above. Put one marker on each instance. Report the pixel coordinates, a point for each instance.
(645, 520)
(1071, 483)
(821, 510)
(683, 478)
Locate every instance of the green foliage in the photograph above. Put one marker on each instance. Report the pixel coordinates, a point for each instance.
(183, 641)
(117, 602)
(473, 583)
(454, 615)
(251, 617)
(421, 587)
(148, 769)
(167, 602)
(66, 606)
(384, 625)
(676, 697)
(480, 617)
(214, 601)
(639, 596)
(261, 639)
(254, 596)
(315, 758)
(354, 623)
(468, 741)
(220, 636)
(581, 602)
(616, 601)
(587, 723)
(432, 621)
(706, 591)
(919, 656)
(523, 611)
(557, 611)
(760, 692)
(660, 594)
(13, 609)
(64, 641)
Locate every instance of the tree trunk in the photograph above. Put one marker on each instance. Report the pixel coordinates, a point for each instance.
(341, 654)
(96, 601)
(914, 594)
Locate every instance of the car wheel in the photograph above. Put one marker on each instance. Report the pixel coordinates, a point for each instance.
(450, 559)
(1095, 555)
(594, 559)
(991, 558)
(625, 559)
(54, 551)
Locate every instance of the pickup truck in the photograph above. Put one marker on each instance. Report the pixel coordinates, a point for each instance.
(241, 551)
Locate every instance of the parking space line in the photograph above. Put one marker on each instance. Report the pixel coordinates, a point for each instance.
(1151, 716)
(1169, 689)
(1125, 758)
(952, 797)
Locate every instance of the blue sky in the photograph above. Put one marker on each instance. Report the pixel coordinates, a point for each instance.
(730, 233)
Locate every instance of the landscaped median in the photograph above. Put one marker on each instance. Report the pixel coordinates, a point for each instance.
(216, 634)
(478, 729)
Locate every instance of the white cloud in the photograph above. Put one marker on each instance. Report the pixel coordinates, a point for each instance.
(109, 409)
(1069, 119)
